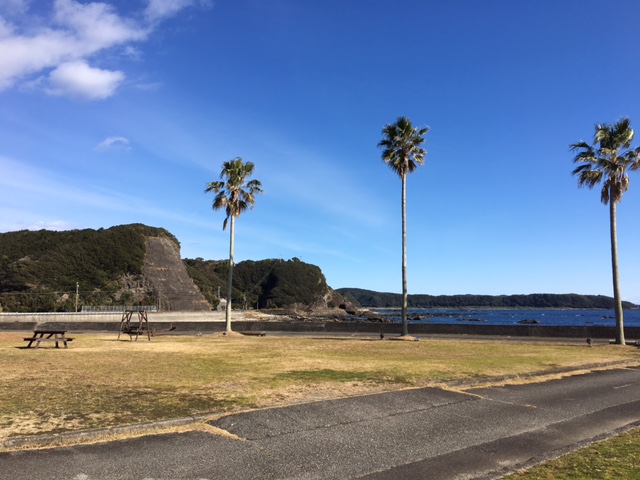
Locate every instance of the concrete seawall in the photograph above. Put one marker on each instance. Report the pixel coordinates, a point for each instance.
(82, 317)
(189, 322)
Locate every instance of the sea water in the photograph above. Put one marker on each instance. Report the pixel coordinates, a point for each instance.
(549, 317)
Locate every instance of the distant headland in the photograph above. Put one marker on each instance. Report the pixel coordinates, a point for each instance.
(372, 299)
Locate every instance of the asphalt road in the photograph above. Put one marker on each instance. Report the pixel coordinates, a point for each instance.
(415, 434)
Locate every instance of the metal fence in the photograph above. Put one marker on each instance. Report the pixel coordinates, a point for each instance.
(117, 308)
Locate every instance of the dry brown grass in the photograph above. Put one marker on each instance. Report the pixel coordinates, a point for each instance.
(102, 382)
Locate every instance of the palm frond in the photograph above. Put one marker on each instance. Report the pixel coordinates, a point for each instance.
(604, 195)
(214, 187)
(234, 193)
(579, 145)
(589, 178)
(401, 146)
(634, 158)
(580, 168)
(608, 158)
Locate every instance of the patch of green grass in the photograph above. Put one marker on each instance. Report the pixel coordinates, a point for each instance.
(338, 376)
(613, 459)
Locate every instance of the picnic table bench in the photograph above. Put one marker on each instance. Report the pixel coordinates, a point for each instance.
(254, 334)
(48, 335)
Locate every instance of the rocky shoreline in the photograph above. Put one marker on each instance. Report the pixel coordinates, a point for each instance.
(316, 315)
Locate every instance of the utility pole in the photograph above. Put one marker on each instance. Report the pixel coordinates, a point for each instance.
(77, 294)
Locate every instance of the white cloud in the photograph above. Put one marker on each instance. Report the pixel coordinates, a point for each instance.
(113, 142)
(65, 43)
(97, 25)
(160, 9)
(79, 79)
(83, 30)
(5, 28)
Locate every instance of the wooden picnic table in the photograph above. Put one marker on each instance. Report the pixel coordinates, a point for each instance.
(48, 335)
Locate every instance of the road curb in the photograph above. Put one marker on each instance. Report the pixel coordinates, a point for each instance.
(97, 435)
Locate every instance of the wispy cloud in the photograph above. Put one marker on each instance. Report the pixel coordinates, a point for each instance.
(79, 79)
(55, 55)
(43, 198)
(32, 185)
(13, 7)
(158, 10)
(53, 225)
(148, 87)
(120, 143)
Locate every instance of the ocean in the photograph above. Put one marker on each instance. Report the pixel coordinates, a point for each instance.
(549, 317)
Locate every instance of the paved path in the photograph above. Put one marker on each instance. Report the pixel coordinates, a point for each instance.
(416, 434)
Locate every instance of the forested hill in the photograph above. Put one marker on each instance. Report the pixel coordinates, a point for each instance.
(41, 270)
(46, 271)
(271, 283)
(369, 298)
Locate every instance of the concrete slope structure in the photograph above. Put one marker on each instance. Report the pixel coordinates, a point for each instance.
(166, 274)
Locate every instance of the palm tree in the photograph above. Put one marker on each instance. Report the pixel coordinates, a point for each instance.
(607, 160)
(402, 152)
(235, 194)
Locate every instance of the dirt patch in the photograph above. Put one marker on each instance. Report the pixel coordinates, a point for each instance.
(36, 423)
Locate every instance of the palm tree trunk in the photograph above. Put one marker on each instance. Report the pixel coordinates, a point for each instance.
(405, 328)
(230, 285)
(616, 278)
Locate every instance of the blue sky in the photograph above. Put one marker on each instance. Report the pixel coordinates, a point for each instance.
(121, 111)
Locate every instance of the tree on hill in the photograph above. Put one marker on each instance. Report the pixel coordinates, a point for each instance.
(39, 270)
(207, 277)
(607, 160)
(269, 283)
(402, 152)
(235, 194)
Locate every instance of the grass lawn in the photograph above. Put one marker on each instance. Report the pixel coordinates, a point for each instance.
(614, 459)
(102, 382)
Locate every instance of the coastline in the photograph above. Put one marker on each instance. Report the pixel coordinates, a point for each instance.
(195, 324)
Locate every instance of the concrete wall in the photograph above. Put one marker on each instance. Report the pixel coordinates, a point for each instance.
(189, 322)
(69, 317)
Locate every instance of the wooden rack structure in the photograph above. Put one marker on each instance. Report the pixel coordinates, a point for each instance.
(130, 328)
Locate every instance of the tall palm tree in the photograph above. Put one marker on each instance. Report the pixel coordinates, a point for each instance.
(402, 152)
(235, 194)
(607, 160)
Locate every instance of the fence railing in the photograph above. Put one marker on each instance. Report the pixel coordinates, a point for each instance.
(117, 308)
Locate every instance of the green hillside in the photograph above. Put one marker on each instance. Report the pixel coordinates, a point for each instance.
(369, 298)
(271, 283)
(39, 270)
